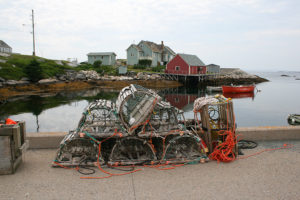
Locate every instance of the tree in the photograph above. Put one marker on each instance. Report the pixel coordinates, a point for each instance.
(34, 71)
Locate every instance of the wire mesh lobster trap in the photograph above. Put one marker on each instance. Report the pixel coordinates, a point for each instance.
(139, 128)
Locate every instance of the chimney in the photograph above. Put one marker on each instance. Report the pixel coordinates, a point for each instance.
(162, 51)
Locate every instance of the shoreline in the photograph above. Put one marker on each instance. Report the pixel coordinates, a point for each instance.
(34, 89)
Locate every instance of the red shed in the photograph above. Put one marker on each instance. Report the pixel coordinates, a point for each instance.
(185, 64)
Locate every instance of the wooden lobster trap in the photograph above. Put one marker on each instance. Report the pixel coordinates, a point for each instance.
(217, 117)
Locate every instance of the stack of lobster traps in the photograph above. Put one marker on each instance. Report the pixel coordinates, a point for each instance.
(139, 128)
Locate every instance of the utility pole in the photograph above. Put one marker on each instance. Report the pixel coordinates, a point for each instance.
(33, 40)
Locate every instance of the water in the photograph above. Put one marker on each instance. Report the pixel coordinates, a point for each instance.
(62, 111)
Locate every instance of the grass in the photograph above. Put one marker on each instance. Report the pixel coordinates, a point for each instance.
(14, 67)
(158, 69)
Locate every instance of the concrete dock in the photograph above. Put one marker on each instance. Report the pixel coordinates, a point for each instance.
(269, 175)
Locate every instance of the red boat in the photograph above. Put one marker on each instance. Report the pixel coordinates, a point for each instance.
(238, 89)
(239, 95)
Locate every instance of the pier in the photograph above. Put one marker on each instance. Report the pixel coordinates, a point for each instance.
(190, 78)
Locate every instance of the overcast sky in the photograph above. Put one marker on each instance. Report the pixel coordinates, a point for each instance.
(250, 34)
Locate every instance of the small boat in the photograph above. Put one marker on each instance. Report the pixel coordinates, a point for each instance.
(238, 89)
(214, 89)
(239, 95)
(294, 119)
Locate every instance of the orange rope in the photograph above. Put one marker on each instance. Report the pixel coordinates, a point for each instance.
(284, 146)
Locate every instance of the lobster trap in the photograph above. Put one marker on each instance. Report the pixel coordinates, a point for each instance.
(217, 120)
(139, 128)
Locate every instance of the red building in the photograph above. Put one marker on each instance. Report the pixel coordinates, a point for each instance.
(185, 64)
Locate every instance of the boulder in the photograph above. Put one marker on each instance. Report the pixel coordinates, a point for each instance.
(59, 62)
(2, 79)
(80, 76)
(70, 75)
(48, 81)
(11, 82)
(2, 61)
(24, 79)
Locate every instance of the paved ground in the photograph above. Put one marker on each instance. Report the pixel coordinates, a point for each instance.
(270, 175)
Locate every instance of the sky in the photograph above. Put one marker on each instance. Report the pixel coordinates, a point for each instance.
(249, 34)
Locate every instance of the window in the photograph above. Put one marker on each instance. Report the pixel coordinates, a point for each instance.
(102, 57)
(177, 68)
(176, 99)
(132, 54)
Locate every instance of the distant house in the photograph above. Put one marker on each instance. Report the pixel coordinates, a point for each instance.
(5, 48)
(186, 64)
(212, 69)
(146, 50)
(107, 58)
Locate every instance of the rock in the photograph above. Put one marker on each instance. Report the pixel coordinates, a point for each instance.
(48, 81)
(90, 74)
(235, 73)
(62, 77)
(2, 79)
(24, 79)
(1, 84)
(2, 61)
(70, 75)
(59, 62)
(4, 54)
(11, 82)
(80, 76)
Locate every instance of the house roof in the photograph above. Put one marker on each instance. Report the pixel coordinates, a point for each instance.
(213, 65)
(3, 44)
(191, 60)
(153, 46)
(170, 50)
(101, 54)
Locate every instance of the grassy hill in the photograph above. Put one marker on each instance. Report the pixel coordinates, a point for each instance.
(13, 67)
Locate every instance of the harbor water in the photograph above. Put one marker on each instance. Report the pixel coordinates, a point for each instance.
(270, 105)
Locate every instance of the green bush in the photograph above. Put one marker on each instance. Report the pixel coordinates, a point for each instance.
(145, 62)
(139, 67)
(159, 68)
(97, 64)
(34, 71)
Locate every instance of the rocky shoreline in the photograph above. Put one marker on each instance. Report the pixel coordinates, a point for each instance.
(73, 80)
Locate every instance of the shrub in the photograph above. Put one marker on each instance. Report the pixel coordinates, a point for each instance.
(159, 68)
(145, 62)
(139, 67)
(97, 64)
(34, 71)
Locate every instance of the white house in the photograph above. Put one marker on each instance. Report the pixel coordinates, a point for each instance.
(5, 48)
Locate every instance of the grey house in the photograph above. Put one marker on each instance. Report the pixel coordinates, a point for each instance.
(212, 69)
(146, 50)
(107, 58)
(4, 48)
